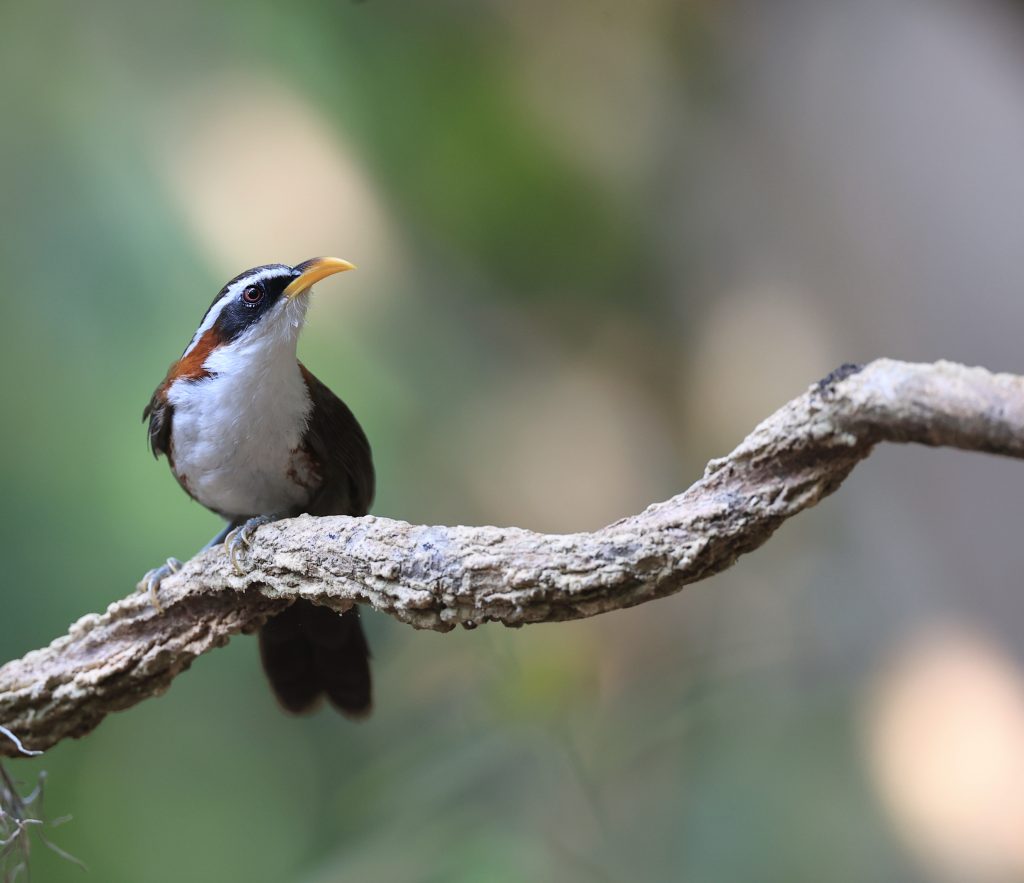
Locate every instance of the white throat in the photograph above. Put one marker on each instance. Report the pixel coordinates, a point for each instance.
(264, 350)
(236, 434)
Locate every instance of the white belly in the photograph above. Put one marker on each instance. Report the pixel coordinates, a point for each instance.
(235, 439)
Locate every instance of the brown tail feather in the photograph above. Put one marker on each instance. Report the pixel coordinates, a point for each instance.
(309, 650)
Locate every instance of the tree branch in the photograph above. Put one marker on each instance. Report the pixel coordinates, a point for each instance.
(440, 577)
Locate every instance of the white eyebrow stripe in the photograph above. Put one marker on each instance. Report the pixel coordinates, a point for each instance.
(208, 322)
(214, 312)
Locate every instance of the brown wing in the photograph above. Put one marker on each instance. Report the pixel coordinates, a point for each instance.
(338, 445)
(159, 412)
(310, 651)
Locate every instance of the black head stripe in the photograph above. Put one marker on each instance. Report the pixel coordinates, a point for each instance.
(237, 316)
(245, 274)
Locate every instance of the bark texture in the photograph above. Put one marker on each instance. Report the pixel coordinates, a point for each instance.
(439, 577)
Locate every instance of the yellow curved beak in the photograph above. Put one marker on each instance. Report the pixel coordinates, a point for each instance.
(312, 271)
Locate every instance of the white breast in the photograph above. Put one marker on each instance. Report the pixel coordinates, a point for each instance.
(235, 435)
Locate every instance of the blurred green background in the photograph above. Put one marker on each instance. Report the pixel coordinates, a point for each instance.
(598, 242)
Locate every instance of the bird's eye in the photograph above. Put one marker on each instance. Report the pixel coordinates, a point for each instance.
(252, 295)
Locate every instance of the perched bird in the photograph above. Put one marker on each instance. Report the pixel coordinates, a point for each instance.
(251, 434)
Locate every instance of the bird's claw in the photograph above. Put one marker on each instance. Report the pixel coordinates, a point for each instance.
(240, 538)
(152, 580)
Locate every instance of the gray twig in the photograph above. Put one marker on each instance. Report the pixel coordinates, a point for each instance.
(440, 577)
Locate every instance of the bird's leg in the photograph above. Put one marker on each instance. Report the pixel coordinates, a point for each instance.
(151, 581)
(240, 538)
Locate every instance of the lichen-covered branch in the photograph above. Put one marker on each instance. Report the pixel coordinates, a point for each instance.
(439, 577)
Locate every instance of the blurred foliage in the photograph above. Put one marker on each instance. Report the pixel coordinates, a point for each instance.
(587, 235)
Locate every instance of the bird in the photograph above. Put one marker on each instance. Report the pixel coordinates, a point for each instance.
(251, 434)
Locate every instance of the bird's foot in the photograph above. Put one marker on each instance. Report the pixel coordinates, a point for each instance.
(240, 538)
(151, 581)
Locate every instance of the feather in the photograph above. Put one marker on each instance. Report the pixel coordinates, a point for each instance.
(160, 414)
(337, 445)
(309, 651)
